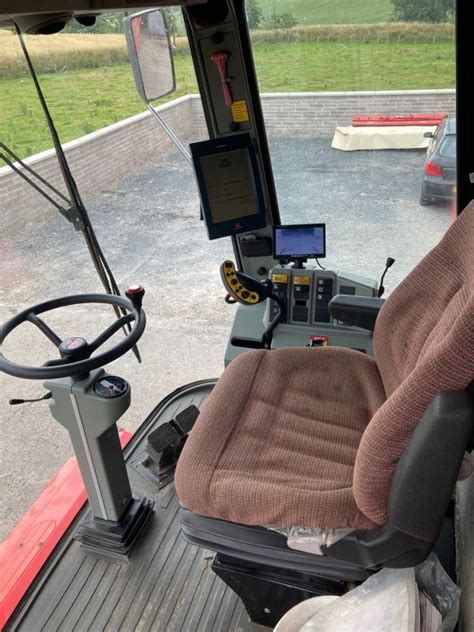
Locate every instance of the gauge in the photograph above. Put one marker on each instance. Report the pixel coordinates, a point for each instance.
(110, 386)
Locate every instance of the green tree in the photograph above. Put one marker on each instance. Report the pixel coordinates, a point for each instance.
(174, 21)
(422, 10)
(286, 21)
(106, 23)
(274, 20)
(254, 14)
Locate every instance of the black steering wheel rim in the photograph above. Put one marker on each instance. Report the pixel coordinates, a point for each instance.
(74, 367)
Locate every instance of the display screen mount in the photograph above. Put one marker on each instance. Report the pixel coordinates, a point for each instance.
(229, 185)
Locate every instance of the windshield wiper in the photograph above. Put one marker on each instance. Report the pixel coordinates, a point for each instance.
(76, 208)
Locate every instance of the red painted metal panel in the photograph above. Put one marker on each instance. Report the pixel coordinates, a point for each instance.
(395, 120)
(30, 543)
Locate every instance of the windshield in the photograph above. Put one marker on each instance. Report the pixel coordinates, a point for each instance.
(348, 91)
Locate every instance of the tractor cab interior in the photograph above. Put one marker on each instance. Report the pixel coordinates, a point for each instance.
(332, 444)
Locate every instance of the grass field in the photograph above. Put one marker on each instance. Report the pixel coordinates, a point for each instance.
(331, 11)
(83, 100)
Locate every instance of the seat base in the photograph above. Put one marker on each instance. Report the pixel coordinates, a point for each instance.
(264, 547)
(268, 593)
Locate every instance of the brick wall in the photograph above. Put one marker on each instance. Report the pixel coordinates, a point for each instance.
(98, 160)
(318, 114)
(102, 159)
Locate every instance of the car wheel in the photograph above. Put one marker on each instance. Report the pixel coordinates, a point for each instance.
(425, 201)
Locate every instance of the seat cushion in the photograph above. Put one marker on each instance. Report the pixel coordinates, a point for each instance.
(276, 442)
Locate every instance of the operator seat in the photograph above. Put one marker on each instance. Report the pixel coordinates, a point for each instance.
(329, 437)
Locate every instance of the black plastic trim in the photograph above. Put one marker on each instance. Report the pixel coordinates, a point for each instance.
(261, 546)
(357, 311)
(464, 120)
(426, 474)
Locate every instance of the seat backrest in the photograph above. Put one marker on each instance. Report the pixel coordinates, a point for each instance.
(424, 344)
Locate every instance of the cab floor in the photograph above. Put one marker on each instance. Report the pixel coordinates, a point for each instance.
(165, 585)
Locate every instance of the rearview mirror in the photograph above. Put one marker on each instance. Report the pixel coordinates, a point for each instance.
(428, 135)
(150, 53)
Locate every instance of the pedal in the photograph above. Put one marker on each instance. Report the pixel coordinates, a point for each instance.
(186, 419)
(161, 439)
(164, 446)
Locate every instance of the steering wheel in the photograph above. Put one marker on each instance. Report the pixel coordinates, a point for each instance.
(75, 352)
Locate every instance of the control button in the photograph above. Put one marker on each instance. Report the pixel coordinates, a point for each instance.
(304, 280)
(254, 297)
(245, 294)
(300, 319)
(322, 316)
(233, 282)
(347, 289)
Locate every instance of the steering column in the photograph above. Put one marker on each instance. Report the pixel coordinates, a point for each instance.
(88, 402)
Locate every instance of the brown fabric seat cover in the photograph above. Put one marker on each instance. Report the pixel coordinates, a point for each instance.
(277, 439)
(311, 437)
(424, 344)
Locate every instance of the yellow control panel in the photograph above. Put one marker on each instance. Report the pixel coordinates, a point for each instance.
(235, 287)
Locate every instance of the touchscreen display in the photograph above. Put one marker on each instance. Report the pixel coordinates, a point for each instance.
(229, 185)
(293, 242)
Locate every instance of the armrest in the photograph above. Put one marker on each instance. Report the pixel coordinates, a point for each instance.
(358, 311)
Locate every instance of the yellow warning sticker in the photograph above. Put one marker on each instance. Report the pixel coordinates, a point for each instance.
(240, 113)
(301, 280)
(279, 278)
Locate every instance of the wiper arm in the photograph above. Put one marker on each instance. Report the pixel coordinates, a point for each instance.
(64, 212)
(95, 250)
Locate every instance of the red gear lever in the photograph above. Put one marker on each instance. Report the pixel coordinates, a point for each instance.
(220, 59)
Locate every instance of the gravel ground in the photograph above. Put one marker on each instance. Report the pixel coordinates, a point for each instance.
(150, 233)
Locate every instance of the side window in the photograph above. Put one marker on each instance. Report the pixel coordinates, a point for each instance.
(350, 96)
(438, 136)
(447, 148)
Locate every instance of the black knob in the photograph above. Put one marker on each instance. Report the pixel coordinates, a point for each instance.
(135, 294)
(75, 348)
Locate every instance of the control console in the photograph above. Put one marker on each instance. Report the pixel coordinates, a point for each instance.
(306, 292)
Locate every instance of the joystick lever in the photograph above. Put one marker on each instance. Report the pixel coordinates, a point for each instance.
(246, 290)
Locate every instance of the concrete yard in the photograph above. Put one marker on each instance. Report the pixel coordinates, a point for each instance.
(150, 231)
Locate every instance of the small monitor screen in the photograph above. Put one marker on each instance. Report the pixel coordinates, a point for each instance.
(229, 184)
(306, 241)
